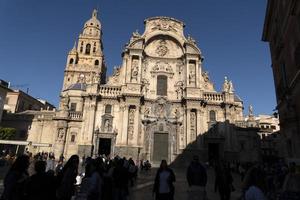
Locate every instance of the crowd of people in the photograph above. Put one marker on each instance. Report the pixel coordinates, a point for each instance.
(100, 174)
(40, 177)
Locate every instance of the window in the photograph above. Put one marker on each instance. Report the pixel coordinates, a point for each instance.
(94, 49)
(212, 116)
(71, 61)
(108, 109)
(162, 85)
(87, 49)
(96, 62)
(73, 137)
(73, 107)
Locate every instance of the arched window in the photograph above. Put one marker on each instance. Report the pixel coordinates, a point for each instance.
(87, 49)
(94, 49)
(108, 109)
(96, 62)
(71, 61)
(162, 85)
(212, 116)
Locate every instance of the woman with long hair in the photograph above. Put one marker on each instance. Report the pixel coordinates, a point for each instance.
(163, 184)
(67, 179)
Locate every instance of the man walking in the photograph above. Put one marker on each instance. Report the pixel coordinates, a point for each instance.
(197, 179)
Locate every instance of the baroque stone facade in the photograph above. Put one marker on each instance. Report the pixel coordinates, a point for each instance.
(157, 103)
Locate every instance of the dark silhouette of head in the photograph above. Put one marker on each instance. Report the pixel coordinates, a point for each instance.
(163, 165)
(72, 163)
(21, 164)
(40, 166)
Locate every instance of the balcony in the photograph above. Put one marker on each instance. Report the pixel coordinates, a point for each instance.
(75, 115)
(216, 97)
(109, 91)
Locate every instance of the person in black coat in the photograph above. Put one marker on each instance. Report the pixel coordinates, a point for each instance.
(197, 178)
(41, 185)
(163, 184)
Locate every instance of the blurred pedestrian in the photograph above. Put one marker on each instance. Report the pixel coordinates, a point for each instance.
(163, 184)
(41, 185)
(15, 179)
(223, 181)
(197, 178)
(67, 179)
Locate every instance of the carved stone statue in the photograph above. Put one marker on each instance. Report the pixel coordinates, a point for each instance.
(61, 134)
(135, 69)
(250, 110)
(205, 76)
(225, 85)
(192, 77)
(147, 111)
(230, 89)
(106, 125)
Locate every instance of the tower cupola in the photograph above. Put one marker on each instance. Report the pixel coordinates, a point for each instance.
(92, 27)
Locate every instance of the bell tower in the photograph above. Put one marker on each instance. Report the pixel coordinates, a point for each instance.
(85, 62)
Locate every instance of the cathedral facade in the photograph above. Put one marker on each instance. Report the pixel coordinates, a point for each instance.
(156, 104)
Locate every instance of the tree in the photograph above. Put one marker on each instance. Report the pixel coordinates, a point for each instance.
(7, 133)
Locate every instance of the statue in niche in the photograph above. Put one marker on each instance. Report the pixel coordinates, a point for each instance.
(106, 125)
(61, 134)
(135, 69)
(193, 119)
(130, 132)
(161, 111)
(179, 92)
(131, 116)
(192, 77)
(225, 85)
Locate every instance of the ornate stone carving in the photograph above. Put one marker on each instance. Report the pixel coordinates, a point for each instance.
(162, 67)
(60, 134)
(162, 49)
(230, 89)
(225, 85)
(134, 69)
(145, 86)
(164, 25)
(191, 40)
(205, 76)
(179, 89)
(193, 125)
(131, 116)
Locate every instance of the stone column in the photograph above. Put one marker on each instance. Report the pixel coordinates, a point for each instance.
(198, 74)
(140, 70)
(125, 126)
(187, 72)
(188, 126)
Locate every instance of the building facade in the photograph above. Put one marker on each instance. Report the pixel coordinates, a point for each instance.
(282, 31)
(156, 104)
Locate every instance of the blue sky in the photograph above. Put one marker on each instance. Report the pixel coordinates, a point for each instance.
(35, 37)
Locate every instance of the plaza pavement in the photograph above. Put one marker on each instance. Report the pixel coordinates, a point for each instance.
(143, 189)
